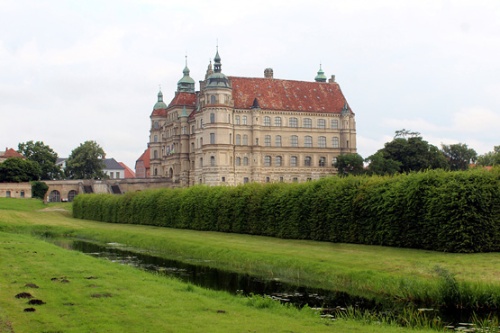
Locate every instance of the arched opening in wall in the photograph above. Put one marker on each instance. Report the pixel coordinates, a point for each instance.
(171, 172)
(55, 196)
(71, 195)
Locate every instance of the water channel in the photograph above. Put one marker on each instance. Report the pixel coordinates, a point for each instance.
(207, 277)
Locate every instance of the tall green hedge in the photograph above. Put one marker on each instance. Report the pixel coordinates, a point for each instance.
(434, 210)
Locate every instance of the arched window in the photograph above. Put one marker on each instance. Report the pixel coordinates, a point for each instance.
(278, 161)
(307, 161)
(308, 141)
(267, 141)
(294, 141)
(267, 160)
(335, 142)
(238, 139)
(293, 161)
(293, 122)
(322, 161)
(245, 140)
(322, 142)
(277, 121)
(55, 196)
(277, 141)
(212, 160)
(245, 160)
(238, 161)
(307, 122)
(321, 123)
(267, 121)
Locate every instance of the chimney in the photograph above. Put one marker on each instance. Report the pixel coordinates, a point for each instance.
(268, 73)
(331, 79)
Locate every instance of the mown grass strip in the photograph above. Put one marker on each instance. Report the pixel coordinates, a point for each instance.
(83, 294)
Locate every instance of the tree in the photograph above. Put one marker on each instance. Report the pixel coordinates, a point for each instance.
(43, 155)
(378, 165)
(490, 158)
(17, 170)
(86, 161)
(459, 156)
(413, 153)
(349, 164)
(39, 189)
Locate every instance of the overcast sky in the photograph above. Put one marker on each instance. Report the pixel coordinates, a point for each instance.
(72, 71)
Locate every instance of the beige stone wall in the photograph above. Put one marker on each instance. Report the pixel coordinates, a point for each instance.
(15, 190)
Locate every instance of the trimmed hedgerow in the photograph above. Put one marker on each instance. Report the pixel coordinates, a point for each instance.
(434, 210)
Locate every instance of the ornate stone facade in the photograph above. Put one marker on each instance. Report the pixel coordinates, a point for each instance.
(237, 129)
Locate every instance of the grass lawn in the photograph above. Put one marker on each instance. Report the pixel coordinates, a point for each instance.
(142, 302)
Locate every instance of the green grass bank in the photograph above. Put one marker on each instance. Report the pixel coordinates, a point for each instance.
(84, 294)
(407, 276)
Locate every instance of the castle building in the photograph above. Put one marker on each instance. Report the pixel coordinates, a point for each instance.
(236, 130)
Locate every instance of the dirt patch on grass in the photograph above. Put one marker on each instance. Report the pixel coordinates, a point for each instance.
(36, 302)
(101, 295)
(31, 285)
(24, 295)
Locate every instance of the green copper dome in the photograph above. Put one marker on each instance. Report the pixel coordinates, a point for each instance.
(321, 75)
(217, 79)
(186, 84)
(160, 104)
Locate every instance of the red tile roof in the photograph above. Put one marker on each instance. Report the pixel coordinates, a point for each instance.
(129, 173)
(287, 95)
(145, 158)
(183, 98)
(9, 152)
(180, 99)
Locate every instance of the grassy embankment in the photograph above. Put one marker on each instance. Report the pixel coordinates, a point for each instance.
(84, 294)
(397, 273)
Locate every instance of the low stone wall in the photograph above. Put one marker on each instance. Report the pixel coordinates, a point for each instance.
(15, 190)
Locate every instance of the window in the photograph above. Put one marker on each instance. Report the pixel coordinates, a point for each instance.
(201, 162)
(245, 180)
(237, 120)
(334, 161)
(278, 161)
(295, 180)
(223, 179)
(267, 141)
(238, 161)
(277, 141)
(322, 142)
(307, 122)
(155, 154)
(334, 124)
(293, 161)
(192, 146)
(111, 175)
(322, 161)
(156, 125)
(7, 194)
(277, 121)
(294, 122)
(212, 160)
(156, 138)
(268, 179)
(335, 142)
(212, 99)
(281, 179)
(238, 139)
(55, 196)
(212, 118)
(244, 120)
(245, 140)
(267, 160)
(245, 160)
(22, 194)
(321, 123)
(201, 123)
(267, 121)
(294, 141)
(118, 175)
(71, 195)
(308, 141)
(212, 138)
(307, 161)
(192, 129)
